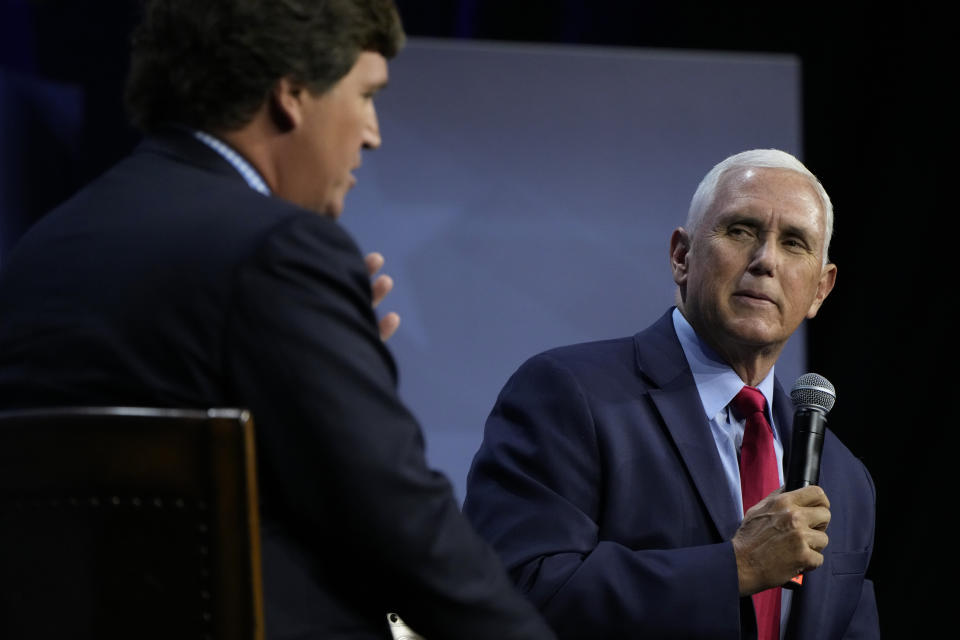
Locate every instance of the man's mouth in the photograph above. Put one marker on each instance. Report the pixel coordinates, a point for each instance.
(754, 296)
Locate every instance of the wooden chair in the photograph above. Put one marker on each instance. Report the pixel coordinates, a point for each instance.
(129, 523)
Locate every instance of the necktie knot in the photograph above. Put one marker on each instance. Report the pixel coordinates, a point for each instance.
(748, 402)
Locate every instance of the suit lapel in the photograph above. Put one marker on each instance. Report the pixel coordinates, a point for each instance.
(660, 358)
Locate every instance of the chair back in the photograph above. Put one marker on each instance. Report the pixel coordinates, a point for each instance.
(120, 522)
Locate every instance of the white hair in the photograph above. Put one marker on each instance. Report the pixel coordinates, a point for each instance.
(706, 192)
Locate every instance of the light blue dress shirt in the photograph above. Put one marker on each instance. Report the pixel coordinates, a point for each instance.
(717, 385)
(238, 162)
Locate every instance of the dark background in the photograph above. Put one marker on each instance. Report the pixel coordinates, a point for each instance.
(875, 87)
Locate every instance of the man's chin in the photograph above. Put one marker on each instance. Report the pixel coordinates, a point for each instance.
(332, 209)
(759, 336)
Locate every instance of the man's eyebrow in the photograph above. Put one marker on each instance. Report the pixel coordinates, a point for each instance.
(804, 233)
(744, 216)
(738, 215)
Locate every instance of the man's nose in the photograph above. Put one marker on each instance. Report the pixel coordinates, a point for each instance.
(764, 258)
(371, 132)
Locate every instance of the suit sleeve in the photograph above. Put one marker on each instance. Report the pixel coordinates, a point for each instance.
(536, 491)
(339, 453)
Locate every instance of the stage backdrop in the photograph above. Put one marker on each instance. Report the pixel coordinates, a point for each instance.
(524, 198)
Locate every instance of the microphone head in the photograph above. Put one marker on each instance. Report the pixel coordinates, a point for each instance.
(813, 389)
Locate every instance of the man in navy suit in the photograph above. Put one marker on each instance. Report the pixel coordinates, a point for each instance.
(608, 478)
(208, 269)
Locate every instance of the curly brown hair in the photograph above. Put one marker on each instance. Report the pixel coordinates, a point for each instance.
(210, 64)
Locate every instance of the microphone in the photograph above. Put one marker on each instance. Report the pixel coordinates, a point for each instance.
(813, 396)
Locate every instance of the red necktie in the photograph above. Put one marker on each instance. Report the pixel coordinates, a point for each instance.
(758, 477)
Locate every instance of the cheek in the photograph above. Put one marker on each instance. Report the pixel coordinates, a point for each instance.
(717, 255)
(802, 290)
(720, 269)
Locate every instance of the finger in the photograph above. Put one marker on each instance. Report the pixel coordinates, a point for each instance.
(812, 560)
(817, 541)
(808, 554)
(374, 262)
(801, 518)
(388, 325)
(811, 496)
(818, 517)
(381, 286)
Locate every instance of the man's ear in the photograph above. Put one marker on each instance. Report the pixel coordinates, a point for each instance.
(286, 104)
(679, 250)
(828, 277)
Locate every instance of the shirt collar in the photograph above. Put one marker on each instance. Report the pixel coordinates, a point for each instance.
(238, 162)
(716, 382)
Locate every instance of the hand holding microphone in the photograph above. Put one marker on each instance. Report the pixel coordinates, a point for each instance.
(766, 543)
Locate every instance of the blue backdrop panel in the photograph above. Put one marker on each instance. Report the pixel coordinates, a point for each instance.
(524, 198)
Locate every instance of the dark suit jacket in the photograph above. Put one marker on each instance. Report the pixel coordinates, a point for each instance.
(599, 484)
(169, 282)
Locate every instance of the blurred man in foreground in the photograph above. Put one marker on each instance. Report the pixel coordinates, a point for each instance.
(207, 269)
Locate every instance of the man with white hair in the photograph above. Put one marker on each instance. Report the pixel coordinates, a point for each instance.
(633, 487)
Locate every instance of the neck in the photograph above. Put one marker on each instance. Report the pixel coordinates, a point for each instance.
(752, 373)
(256, 141)
(751, 362)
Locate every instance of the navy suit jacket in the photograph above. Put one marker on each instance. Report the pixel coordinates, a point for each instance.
(599, 484)
(170, 282)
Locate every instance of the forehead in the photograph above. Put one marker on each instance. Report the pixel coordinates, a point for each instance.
(767, 191)
(369, 70)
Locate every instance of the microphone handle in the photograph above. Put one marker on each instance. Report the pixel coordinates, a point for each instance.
(809, 425)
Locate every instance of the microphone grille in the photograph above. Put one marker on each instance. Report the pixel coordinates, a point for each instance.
(813, 389)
